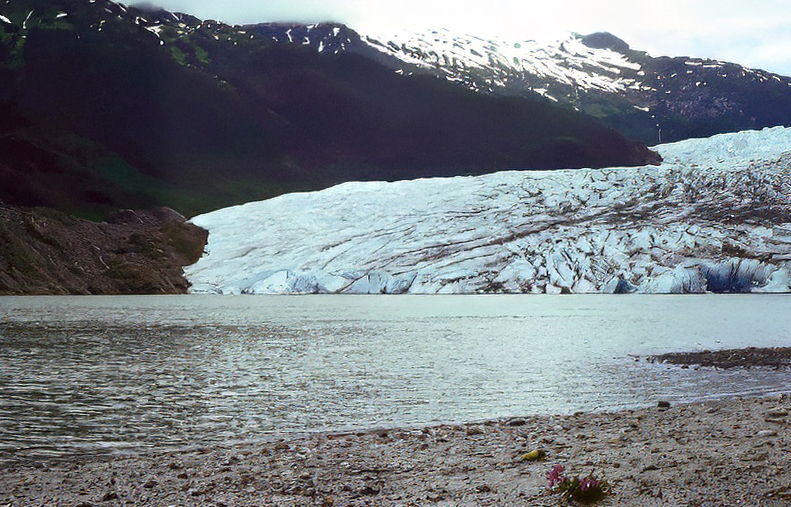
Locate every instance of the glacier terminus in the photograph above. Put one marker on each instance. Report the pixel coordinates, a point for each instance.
(714, 217)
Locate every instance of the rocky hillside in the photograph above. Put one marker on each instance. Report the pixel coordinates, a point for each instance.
(43, 251)
(104, 106)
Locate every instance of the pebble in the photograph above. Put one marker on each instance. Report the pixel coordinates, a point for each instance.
(516, 422)
(369, 491)
(536, 455)
(110, 495)
(474, 430)
(777, 413)
(663, 404)
(702, 463)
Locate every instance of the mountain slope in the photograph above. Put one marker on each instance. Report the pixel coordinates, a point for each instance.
(652, 99)
(122, 107)
(715, 216)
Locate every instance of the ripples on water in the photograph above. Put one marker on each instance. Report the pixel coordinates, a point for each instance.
(108, 375)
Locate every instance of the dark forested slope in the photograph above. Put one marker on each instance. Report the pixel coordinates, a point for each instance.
(108, 107)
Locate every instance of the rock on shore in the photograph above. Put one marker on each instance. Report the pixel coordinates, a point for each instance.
(750, 357)
(43, 251)
(722, 453)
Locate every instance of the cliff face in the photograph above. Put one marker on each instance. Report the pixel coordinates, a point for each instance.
(43, 252)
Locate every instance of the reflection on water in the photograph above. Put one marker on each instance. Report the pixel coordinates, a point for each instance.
(99, 375)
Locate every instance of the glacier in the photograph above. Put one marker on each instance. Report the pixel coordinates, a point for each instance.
(714, 217)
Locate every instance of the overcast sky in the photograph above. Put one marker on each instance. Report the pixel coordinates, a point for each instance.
(756, 33)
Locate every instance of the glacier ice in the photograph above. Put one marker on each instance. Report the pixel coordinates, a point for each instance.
(715, 216)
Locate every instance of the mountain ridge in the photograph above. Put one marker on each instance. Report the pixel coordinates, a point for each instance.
(106, 106)
(654, 99)
(116, 110)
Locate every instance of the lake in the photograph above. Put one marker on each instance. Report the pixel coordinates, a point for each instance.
(105, 375)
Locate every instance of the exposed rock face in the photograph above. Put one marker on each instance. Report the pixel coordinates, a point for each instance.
(43, 251)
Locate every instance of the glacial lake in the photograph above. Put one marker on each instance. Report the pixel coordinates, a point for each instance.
(106, 375)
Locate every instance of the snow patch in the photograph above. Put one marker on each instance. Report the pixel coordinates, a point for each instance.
(156, 30)
(27, 18)
(568, 61)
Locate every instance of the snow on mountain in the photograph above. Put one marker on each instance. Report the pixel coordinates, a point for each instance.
(641, 96)
(716, 216)
(567, 61)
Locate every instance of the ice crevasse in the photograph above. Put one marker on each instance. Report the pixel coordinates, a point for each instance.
(714, 217)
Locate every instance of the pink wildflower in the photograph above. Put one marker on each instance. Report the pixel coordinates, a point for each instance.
(555, 476)
(589, 483)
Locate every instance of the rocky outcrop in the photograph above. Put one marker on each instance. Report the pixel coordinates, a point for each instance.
(43, 251)
(751, 357)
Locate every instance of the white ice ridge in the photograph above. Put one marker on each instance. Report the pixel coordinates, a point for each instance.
(716, 216)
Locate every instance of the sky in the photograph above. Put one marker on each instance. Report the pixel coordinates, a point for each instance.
(754, 33)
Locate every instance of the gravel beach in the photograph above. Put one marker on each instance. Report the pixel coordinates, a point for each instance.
(716, 453)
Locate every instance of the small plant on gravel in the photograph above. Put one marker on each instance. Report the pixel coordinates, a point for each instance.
(586, 489)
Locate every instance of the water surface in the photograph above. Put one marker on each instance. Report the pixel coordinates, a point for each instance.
(125, 374)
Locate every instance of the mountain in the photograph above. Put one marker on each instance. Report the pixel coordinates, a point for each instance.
(104, 106)
(715, 216)
(652, 99)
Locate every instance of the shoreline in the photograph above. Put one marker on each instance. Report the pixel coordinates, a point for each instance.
(750, 357)
(723, 452)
